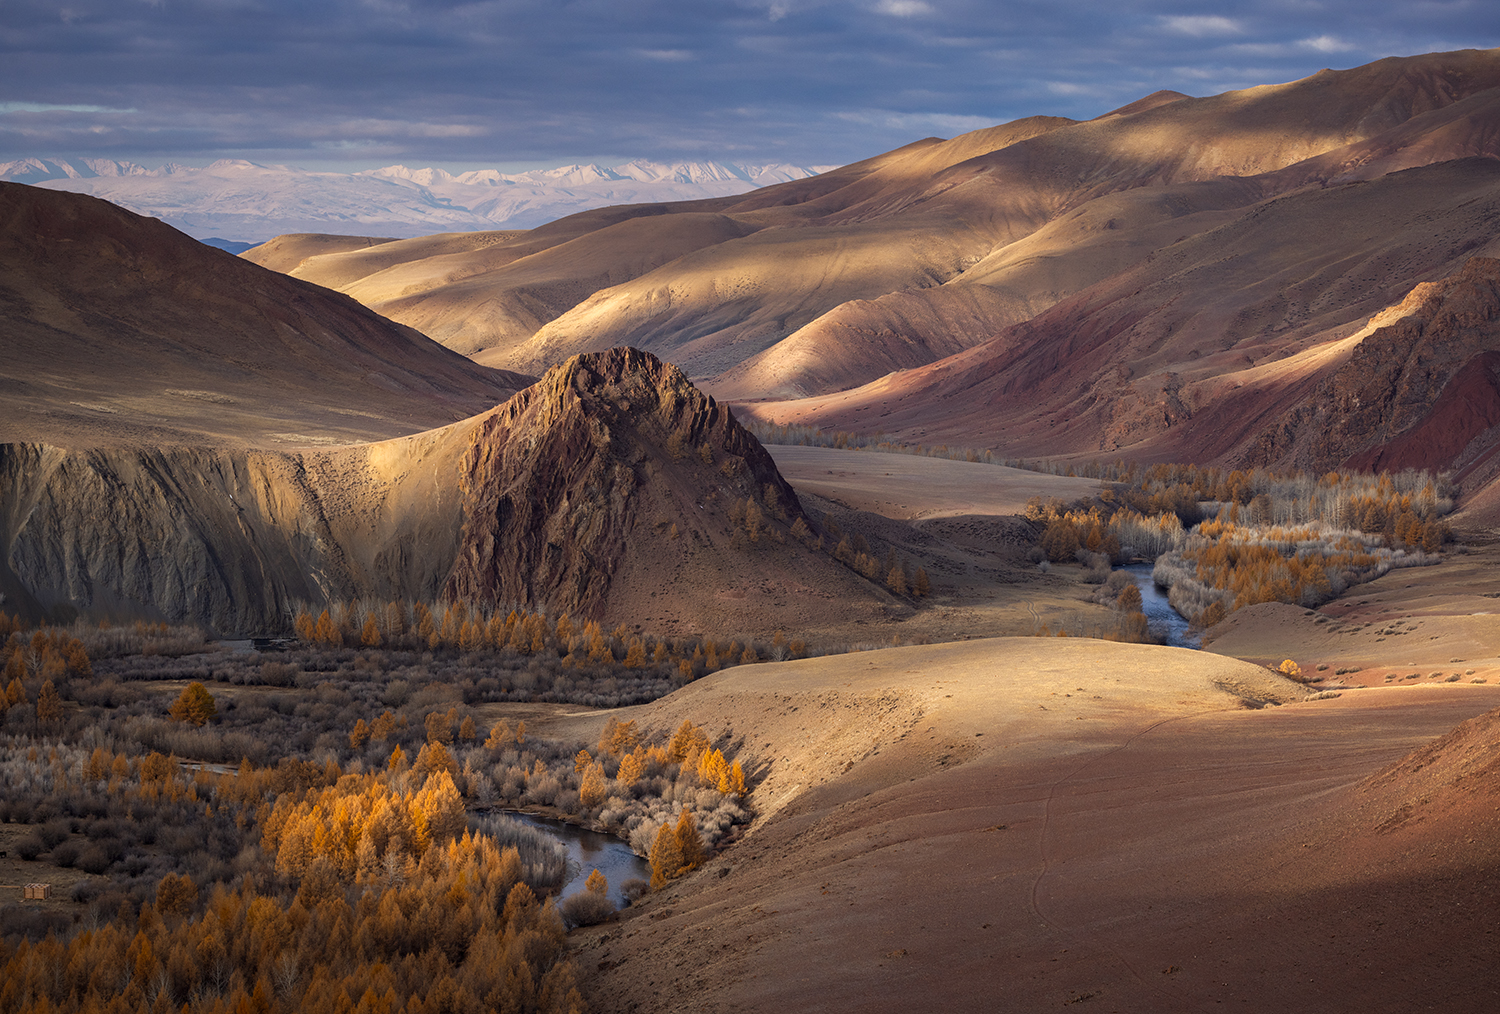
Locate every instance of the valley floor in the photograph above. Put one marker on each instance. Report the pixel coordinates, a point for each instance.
(1019, 823)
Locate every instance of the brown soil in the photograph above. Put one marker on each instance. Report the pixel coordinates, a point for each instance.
(1016, 825)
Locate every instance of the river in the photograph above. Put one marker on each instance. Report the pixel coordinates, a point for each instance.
(1160, 616)
(590, 850)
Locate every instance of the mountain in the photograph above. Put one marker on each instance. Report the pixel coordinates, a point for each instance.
(1302, 336)
(606, 490)
(249, 202)
(120, 330)
(1090, 270)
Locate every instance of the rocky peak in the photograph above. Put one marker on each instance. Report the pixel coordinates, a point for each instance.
(609, 451)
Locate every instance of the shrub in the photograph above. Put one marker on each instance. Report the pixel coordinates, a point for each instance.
(29, 847)
(587, 908)
(53, 832)
(98, 857)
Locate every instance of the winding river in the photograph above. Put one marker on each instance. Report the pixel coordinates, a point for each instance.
(1160, 616)
(590, 850)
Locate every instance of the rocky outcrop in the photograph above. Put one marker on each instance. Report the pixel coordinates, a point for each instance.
(1421, 390)
(607, 490)
(609, 452)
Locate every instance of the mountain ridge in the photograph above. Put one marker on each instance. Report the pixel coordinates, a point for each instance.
(249, 201)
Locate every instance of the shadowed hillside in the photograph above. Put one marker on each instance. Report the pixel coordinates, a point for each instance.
(120, 330)
(609, 490)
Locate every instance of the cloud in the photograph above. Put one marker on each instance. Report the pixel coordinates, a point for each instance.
(1327, 44)
(44, 107)
(1201, 25)
(913, 123)
(904, 8)
(505, 81)
(667, 55)
(1072, 88)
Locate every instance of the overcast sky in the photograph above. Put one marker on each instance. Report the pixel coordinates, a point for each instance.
(353, 84)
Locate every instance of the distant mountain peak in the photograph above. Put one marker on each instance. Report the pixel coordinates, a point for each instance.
(251, 202)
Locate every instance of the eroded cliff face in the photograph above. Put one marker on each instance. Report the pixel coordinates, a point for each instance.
(229, 539)
(606, 491)
(604, 458)
(1422, 390)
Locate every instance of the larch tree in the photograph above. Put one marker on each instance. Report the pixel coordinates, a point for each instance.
(665, 857)
(689, 841)
(195, 705)
(48, 705)
(592, 791)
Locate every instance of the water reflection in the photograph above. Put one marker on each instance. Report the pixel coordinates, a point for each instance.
(590, 850)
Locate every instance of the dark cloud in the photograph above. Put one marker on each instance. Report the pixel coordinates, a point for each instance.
(366, 82)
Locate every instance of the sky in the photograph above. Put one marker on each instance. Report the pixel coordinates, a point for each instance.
(516, 84)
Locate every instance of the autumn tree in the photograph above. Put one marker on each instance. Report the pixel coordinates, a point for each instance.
(500, 737)
(632, 768)
(195, 705)
(49, 705)
(383, 726)
(591, 791)
(618, 737)
(439, 727)
(175, 895)
(665, 857)
(689, 841)
(442, 806)
(754, 519)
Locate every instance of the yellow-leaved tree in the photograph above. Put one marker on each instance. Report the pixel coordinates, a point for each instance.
(195, 705)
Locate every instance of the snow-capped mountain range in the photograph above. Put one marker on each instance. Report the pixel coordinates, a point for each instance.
(247, 201)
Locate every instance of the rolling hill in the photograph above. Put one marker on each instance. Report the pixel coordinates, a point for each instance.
(821, 285)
